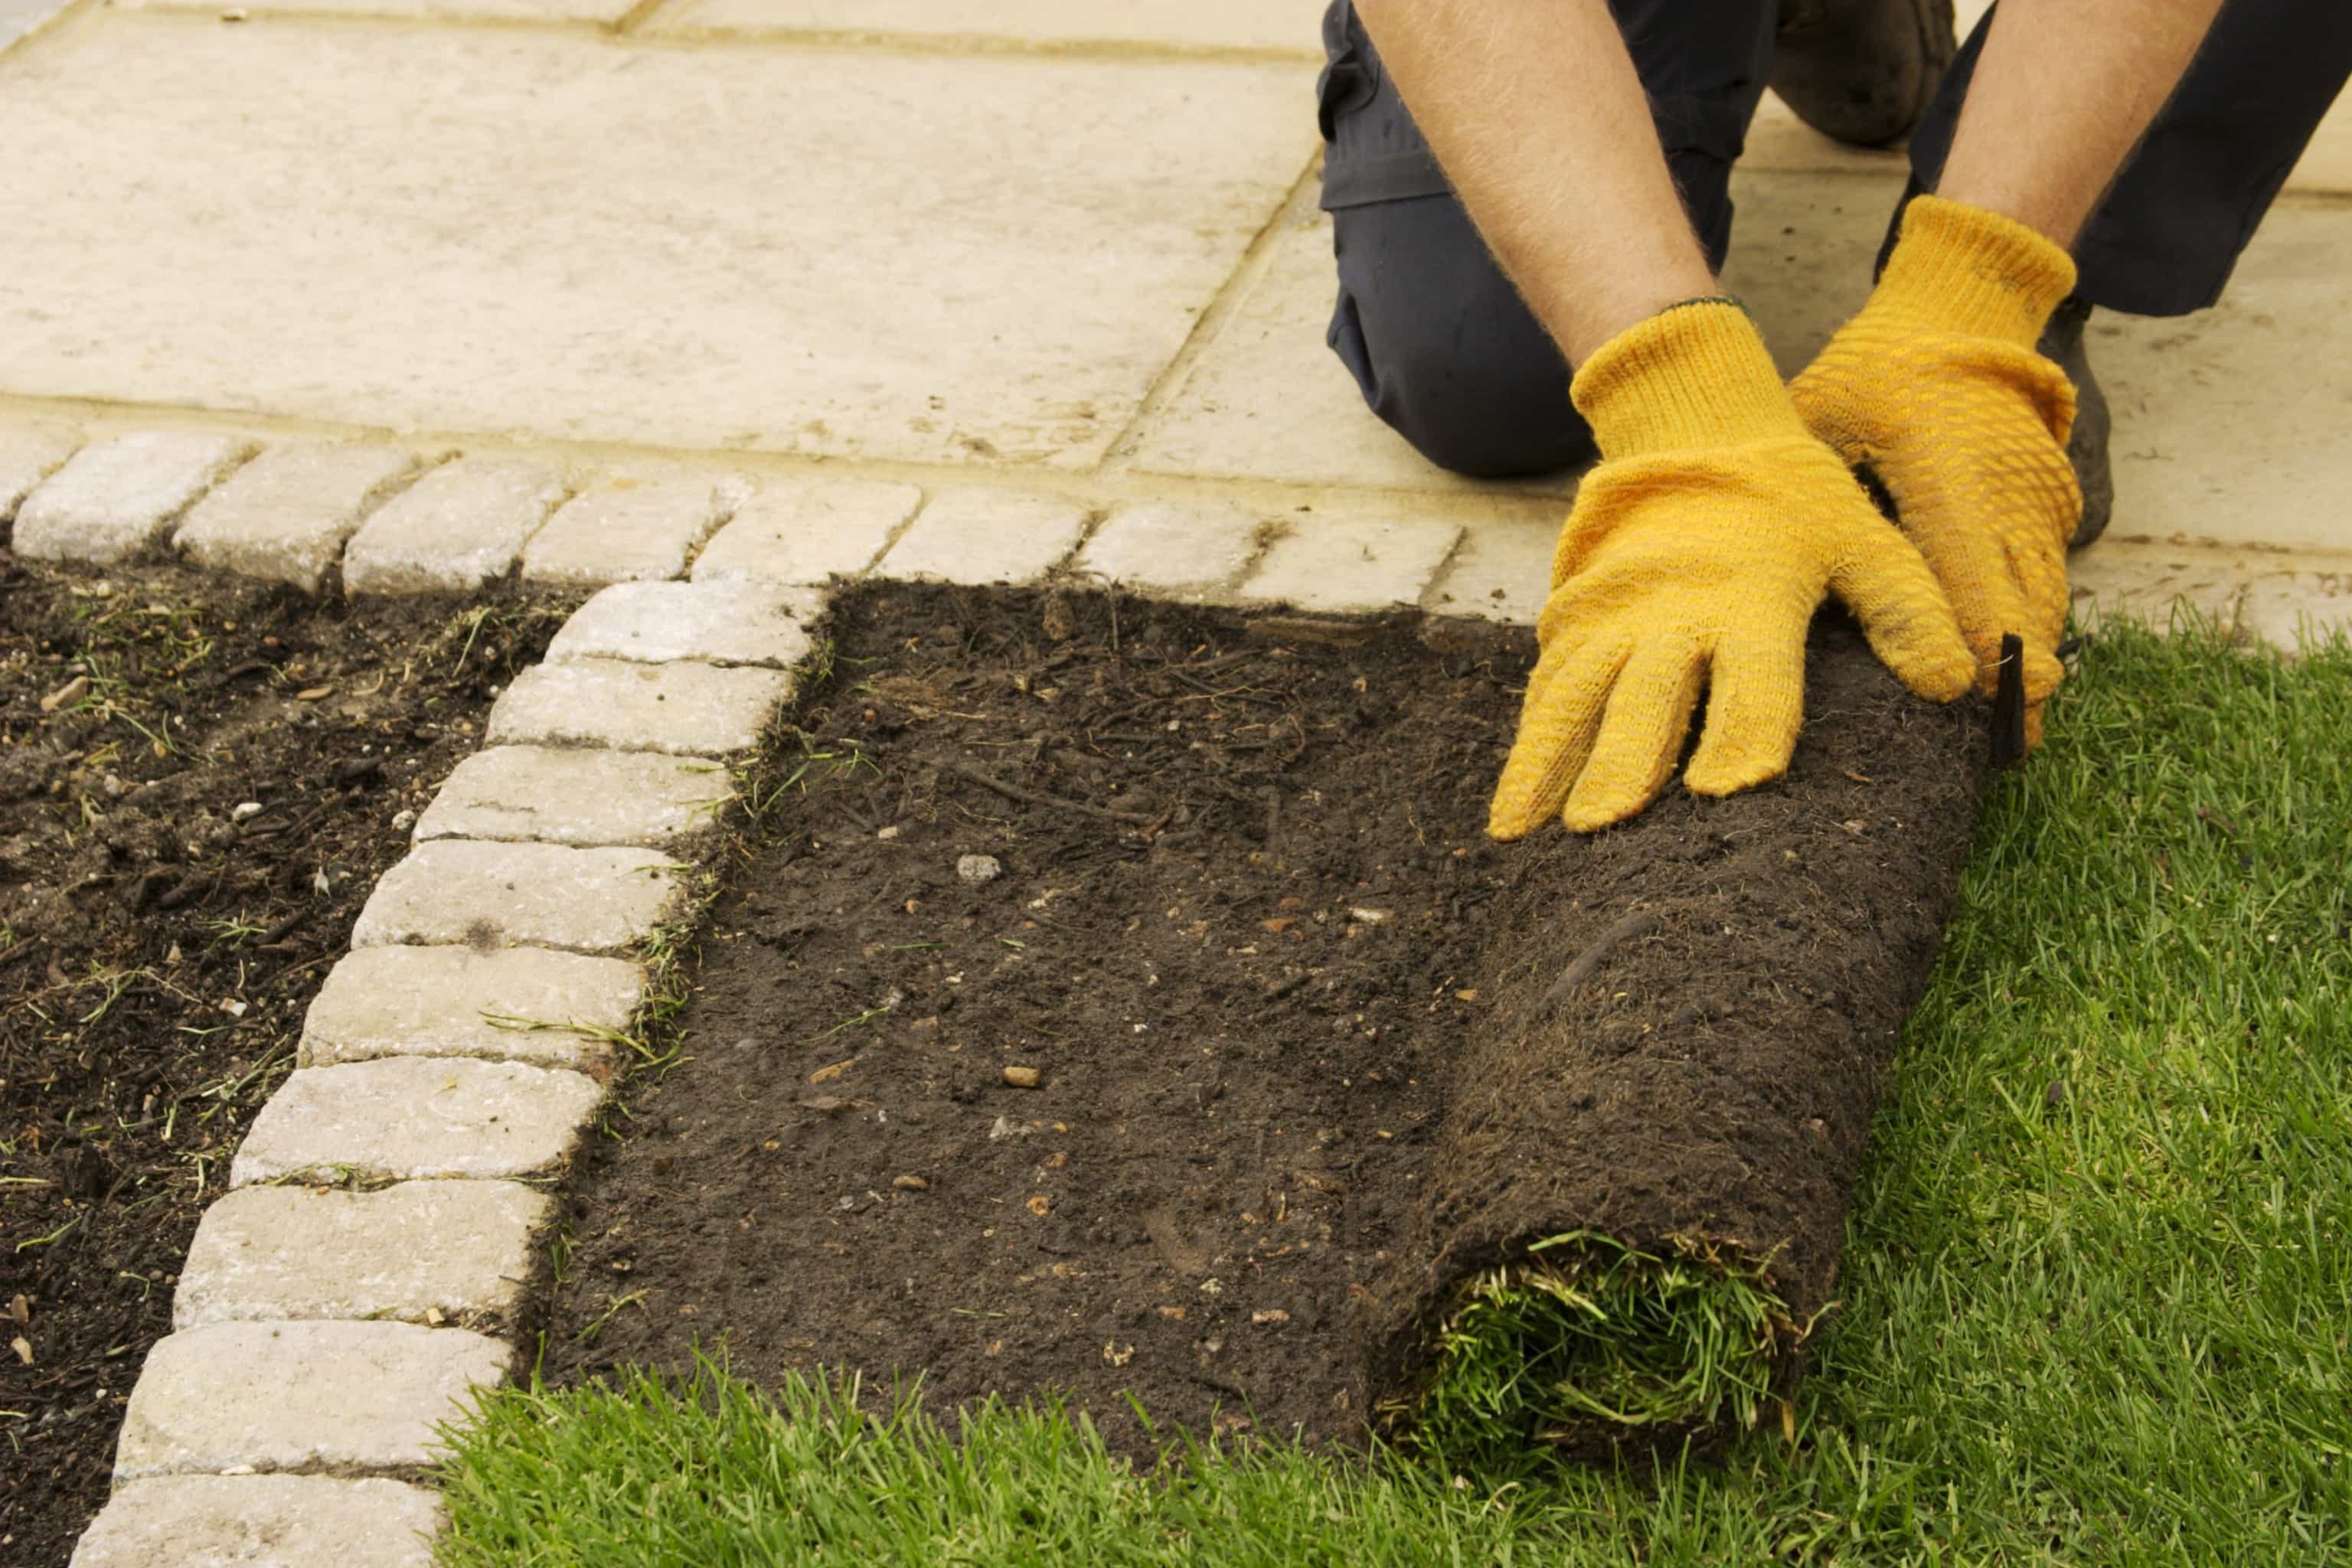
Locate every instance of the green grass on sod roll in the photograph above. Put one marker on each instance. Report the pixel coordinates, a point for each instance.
(1589, 1330)
(2096, 1300)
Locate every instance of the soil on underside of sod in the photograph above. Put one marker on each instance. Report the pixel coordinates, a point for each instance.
(160, 938)
(1235, 931)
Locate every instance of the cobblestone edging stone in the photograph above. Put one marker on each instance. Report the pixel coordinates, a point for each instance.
(397, 521)
(352, 1287)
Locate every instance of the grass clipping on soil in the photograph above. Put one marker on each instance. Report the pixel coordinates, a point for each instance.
(1589, 1328)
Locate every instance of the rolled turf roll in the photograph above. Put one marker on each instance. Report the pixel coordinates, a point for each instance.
(1631, 1219)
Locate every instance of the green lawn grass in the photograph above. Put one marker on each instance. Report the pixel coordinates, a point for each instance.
(2097, 1298)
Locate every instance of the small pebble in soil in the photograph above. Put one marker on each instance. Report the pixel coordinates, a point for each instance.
(245, 811)
(910, 1183)
(978, 869)
(402, 821)
(886, 834)
(66, 696)
(1023, 1078)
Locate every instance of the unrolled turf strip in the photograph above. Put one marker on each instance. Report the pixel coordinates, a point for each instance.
(1689, 1021)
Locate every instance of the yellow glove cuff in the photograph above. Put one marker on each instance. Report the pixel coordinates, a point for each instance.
(1694, 375)
(1968, 270)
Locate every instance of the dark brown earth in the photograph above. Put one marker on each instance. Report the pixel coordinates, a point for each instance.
(1240, 936)
(1235, 947)
(1691, 1020)
(157, 953)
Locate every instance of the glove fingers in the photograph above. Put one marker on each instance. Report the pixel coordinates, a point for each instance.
(1904, 613)
(1557, 725)
(1640, 737)
(1754, 705)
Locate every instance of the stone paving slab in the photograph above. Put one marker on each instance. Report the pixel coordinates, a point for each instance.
(29, 454)
(583, 798)
(300, 1396)
(416, 1252)
(20, 17)
(488, 895)
(604, 12)
(685, 709)
(114, 497)
(981, 537)
(1283, 26)
(1349, 564)
(2282, 607)
(285, 515)
(447, 1001)
(627, 530)
(805, 531)
(415, 1119)
(1186, 551)
(716, 622)
(1501, 573)
(459, 527)
(263, 1522)
(584, 238)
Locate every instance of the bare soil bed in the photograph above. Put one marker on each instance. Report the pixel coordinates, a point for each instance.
(200, 782)
(1148, 1111)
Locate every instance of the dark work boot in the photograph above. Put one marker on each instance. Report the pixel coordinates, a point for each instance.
(1863, 70)
(2087, 449)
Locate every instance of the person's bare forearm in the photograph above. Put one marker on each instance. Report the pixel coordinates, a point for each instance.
(2063, 93)
(1540, 121)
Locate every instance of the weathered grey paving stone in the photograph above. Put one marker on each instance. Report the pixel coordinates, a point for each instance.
(263, 1522)
(1344, 564)
(285, 515)
(719, 622)
(29, 454)
(538, 230)
(417, 1252)
(300, 1396)
(538, 895)
(116, 497)
(570, 794)
(1502, 572)
(1177, 550)
(415, 1119)
(460, 526)
(685, 709)
(983, 537)
(625, 530)
(805, 531)
(526, 1005)
(2281, 606)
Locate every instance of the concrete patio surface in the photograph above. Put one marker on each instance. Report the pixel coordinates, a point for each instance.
(1070, 250)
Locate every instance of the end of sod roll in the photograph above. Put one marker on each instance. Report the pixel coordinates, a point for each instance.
(1586, 1341)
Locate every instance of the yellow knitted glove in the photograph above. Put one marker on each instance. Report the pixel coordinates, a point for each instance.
(1936, 388)
(1695, 554)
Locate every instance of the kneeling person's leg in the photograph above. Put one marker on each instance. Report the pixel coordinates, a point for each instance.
(1436, 336)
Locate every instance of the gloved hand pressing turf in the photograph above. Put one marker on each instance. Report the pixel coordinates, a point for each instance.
(1695, 554)
(1935, 386)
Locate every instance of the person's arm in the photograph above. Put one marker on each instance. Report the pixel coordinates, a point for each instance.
(2063, 92)
(1568, 185)
(1696, 552)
